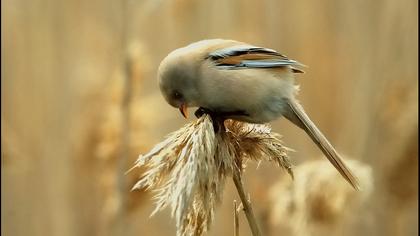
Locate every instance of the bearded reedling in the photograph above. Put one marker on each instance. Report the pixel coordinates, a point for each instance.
(233, 80)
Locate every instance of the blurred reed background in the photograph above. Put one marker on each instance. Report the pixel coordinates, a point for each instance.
(80, 102)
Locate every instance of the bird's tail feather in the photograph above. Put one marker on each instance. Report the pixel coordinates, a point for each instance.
(297, 115)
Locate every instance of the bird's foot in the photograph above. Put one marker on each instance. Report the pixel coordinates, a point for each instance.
(201, 111)
(217, 119)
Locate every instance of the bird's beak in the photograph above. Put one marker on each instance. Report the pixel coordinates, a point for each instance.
(184, 110)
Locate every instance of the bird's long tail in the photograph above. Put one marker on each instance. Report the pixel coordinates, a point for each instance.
(297, 115)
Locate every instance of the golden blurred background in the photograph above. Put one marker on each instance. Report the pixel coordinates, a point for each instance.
(80, 102)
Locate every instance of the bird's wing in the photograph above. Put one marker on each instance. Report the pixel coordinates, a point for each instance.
(246, 56)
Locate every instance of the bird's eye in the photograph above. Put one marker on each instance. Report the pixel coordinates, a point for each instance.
(177, 95)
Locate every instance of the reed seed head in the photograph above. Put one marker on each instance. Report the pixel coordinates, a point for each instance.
(187, 170)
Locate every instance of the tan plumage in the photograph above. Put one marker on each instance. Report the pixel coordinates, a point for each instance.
(233, 60)
(298, 116)
(242, 82)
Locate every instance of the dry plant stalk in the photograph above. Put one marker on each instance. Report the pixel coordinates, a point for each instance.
(249, 213)
(235, 219)
(187, 171)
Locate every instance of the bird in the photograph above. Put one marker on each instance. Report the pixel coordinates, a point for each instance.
(239, 81)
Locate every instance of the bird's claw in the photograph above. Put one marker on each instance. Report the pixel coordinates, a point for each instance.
(201, 111)
(218, 121)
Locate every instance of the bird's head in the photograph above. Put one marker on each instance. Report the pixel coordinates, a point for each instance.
(177, 82)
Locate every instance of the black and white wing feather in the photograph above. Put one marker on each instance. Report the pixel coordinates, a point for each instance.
(246, 56)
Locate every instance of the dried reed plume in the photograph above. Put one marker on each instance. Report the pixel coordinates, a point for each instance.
(319, 202)
(188, 170)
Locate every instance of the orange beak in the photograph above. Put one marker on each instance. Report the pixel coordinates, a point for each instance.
(184, 110)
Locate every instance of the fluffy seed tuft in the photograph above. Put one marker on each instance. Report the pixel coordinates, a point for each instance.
(187, 171)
